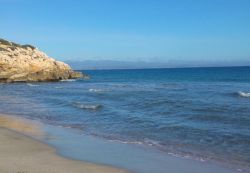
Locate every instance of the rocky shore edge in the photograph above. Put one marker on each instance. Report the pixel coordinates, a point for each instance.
(26, 63)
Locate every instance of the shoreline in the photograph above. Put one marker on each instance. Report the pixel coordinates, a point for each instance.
(94, 154)
(22, 153)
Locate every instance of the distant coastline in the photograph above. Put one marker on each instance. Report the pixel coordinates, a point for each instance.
(125, 65)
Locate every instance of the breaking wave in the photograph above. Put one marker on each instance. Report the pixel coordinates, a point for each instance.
(31, 85)
(244, 94)
(96, 90)
(87, 106)
(68, 80)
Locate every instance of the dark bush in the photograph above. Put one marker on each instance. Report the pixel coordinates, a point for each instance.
(5, 42)
(16, 45)
(27, 45)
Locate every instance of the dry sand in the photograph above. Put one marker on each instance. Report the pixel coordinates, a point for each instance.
(22, 154)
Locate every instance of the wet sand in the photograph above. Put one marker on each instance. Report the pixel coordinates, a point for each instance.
(21, 151)
(22, 154)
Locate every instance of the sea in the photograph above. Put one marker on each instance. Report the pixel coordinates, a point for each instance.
(200, 113)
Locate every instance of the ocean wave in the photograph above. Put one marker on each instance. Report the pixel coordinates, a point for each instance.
(244, 94)
(68, 80)
(146, 141)
(96, 90)
(87, 106)
(31, 85)
(126, 142)
(58, 87)
(152, 142)
(162, 147)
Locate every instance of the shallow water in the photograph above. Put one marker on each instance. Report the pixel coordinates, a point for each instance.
(202, 113)
(132, 157)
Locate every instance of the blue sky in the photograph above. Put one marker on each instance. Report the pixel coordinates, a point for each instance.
(131, 30)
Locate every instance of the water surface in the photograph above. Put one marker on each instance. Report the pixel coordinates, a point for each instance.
(203, 113)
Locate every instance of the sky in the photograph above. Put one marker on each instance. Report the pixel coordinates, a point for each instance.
(131, 30)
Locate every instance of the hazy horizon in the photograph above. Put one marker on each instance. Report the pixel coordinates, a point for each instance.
(114, 64)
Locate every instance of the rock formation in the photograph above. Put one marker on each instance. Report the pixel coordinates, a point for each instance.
(25, 63)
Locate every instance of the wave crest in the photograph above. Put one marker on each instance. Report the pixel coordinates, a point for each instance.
(244, 94)
(31, 85)
(68, 80)
(87, 106)
(96, 90)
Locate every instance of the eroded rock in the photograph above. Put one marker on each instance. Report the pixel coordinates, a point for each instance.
(25, 63)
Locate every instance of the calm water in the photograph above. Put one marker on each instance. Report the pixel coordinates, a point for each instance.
(198, 112)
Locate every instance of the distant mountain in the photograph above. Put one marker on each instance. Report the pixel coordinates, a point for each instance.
(112, 64)
(109, 64)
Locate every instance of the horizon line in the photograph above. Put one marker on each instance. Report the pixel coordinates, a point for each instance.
(184, 67)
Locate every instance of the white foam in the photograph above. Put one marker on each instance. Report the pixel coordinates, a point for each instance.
(68, 80)
(128, 142)
(96, 90)
(87, 106)
(243, 94)
(59, 87)
(31, 85)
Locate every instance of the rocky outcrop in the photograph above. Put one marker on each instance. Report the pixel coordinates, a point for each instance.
(25, 63)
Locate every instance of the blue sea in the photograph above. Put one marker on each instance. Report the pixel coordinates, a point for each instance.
(196, 112)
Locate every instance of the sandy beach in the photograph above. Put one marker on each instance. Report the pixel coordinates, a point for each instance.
(22, 154)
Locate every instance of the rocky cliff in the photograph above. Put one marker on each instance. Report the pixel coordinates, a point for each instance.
(25, 63)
